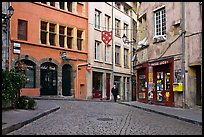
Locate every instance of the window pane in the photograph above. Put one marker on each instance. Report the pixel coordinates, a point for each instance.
(69, 6)
(61, 41)
(43, 37)
(22, 30)
(52, 39)
(61, 5)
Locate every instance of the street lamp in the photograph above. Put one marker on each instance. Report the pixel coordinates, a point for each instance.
(6, 28)
(125, 40)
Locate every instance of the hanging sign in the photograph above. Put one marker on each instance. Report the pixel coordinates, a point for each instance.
(106, 36)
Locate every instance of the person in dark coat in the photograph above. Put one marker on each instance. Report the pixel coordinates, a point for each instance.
(114, 91)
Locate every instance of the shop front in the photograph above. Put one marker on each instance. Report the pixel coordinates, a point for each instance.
(162, 86)
(142, 81)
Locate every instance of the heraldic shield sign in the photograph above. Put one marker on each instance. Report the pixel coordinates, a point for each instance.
(106, 36)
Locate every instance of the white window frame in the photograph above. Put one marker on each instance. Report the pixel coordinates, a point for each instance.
(107, 53)
(98, 50)
(117, 57)
(162, 26)
(126, 57)
(97, 19)
(117, 27)
(107, 22)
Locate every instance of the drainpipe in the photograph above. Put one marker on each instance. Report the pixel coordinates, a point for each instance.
(183, 53)
(112, 54)
(201, 49)
(79, 65)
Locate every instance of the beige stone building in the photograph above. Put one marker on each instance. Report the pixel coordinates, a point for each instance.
(104, 67)
(159, 51)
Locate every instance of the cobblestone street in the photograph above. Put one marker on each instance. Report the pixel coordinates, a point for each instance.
(105, 118)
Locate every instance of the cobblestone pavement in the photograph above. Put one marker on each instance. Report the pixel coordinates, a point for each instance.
(105, 118)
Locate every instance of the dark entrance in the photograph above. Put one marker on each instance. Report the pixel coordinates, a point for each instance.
(108, 86)
(48, 79)
(66, 80)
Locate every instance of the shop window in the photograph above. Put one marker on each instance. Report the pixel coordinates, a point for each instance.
(69, 37)
(22, 29)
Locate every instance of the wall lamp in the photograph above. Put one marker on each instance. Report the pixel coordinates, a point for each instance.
(125, 40)
(6, 17)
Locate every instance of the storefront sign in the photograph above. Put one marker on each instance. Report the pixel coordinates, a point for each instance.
(159, 63)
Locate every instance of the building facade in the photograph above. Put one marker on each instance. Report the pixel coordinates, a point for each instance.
(160, 52)
(111, 61)
(51, 38)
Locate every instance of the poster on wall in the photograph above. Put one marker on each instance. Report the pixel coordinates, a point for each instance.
(177, 75)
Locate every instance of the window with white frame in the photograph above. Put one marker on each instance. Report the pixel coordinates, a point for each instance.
(160, 22)
(117, 55)
(107, 53)
(97, 19)
(107, 22)
(117, 27)
(125, 28)
(98, 50)
(125, 57)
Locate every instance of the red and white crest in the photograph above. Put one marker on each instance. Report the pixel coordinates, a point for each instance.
(106, 36)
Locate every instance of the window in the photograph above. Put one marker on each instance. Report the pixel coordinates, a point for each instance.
(79, 39)
(97, 19)
(107, 22)
(69, 38)
(69, 6)
(142, 27)
(52, 34)
(22, 30)
(44, 32)
(97, 50)
(117, 5)
(107, 53)
(125, 57)
(61, 36)
(125, 29)
(61, 4)
(30, 74)
(126, 10)
(160, 22)
(117, 27)
(52, 4)
(117, 55)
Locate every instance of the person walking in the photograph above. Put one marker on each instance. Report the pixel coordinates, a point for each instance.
(114, 91)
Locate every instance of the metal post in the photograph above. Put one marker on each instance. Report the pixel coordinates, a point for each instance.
(131, 44)
(183, 53)
(112, 51)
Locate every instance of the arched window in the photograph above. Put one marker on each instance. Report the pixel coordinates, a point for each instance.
(29, 72)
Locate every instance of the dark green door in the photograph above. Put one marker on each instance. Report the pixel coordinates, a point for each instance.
(66, 80)
(48, 79)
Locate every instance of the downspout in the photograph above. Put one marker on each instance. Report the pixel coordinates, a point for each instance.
(112, 52)
(201, 49)
(183, 53)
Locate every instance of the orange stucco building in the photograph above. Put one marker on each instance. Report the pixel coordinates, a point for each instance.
(51, 39)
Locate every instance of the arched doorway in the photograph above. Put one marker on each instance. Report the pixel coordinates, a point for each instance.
(48, 79)
(66, 80)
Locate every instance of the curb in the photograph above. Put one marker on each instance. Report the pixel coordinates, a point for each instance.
(165, 114)
(13, 127)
